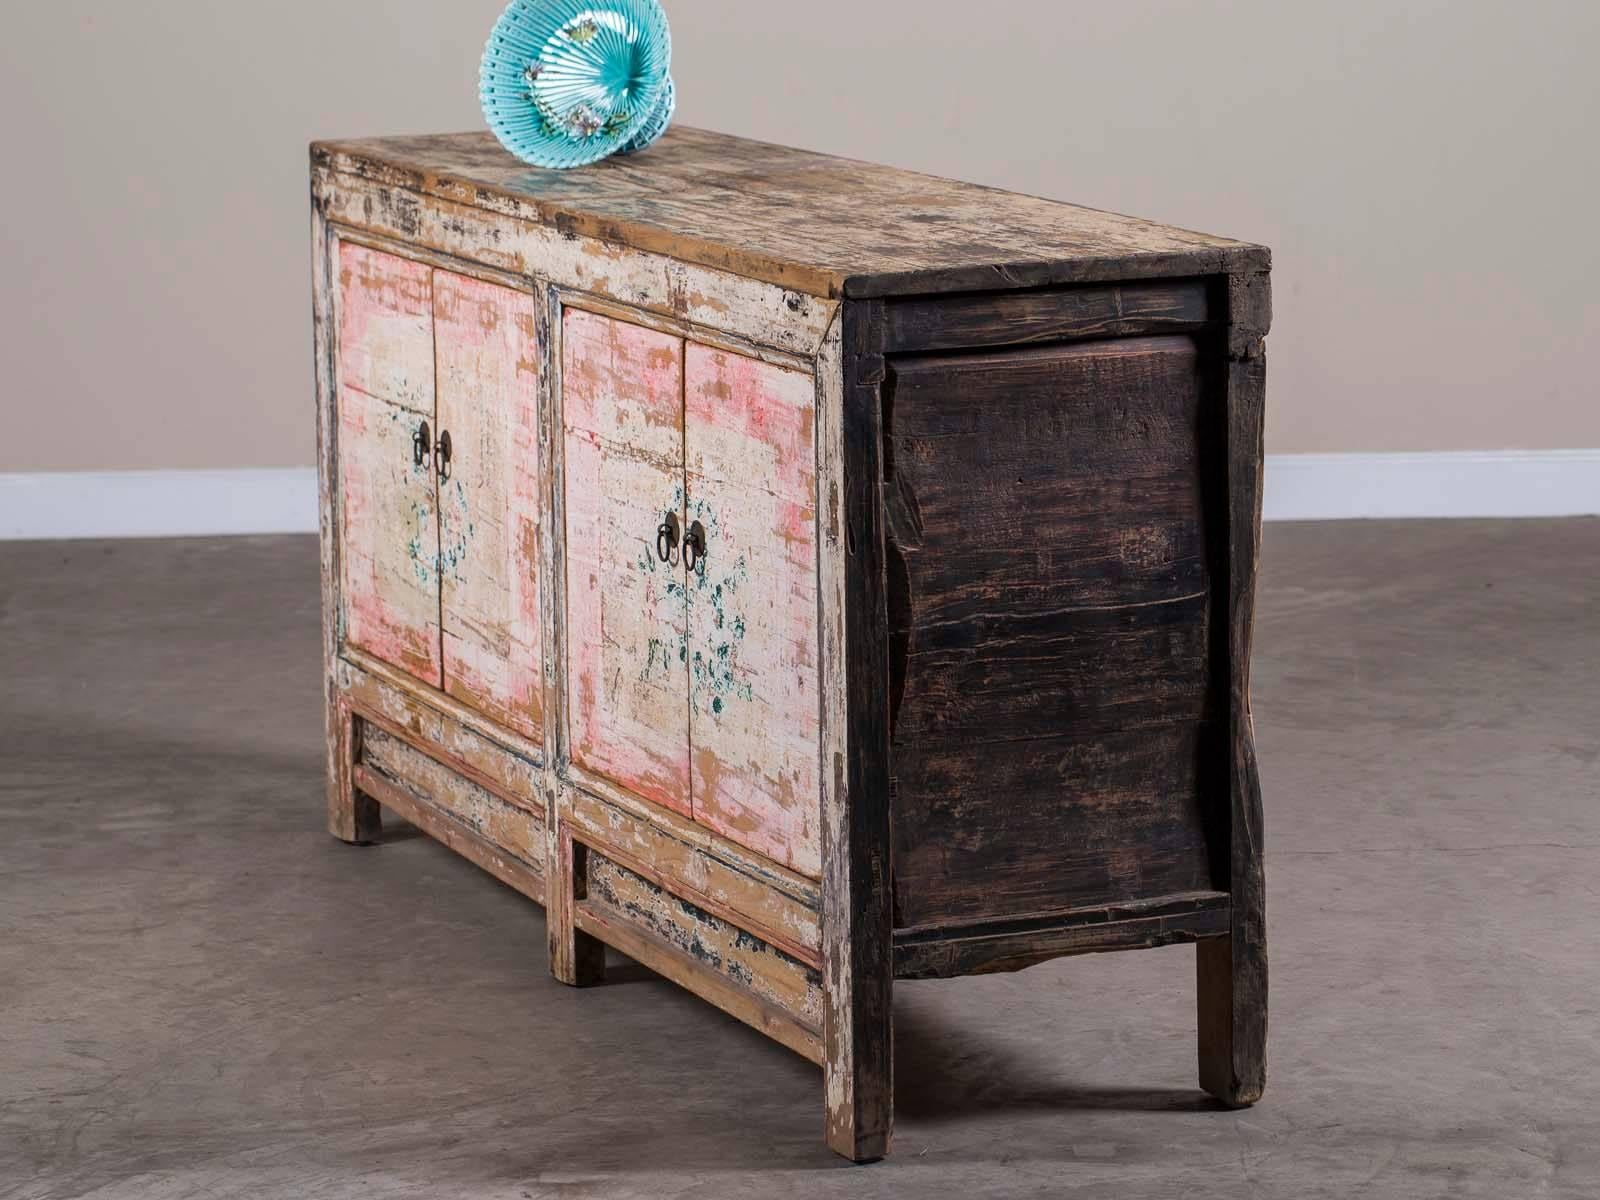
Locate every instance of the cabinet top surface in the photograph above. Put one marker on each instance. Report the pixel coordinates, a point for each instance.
(812, 222)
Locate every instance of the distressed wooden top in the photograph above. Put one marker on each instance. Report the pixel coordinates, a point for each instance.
(811, 222)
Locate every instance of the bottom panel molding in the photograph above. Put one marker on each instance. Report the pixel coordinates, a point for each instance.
(448, 829)
(987, 947)
(700, 874)
(734, 969)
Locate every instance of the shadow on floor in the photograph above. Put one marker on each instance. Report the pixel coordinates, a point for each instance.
(944, 1073)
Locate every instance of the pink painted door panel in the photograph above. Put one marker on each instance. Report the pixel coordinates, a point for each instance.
(389, 537)
(386, 327)
(627, 678)
(488, 355)
(389, 541)
(753, 724)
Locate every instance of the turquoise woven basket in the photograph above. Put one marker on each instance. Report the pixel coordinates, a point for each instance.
(567, 82)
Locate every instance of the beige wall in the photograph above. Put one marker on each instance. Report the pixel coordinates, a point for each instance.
(1426, 173)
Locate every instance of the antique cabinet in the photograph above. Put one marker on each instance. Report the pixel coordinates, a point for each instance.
(798, 574)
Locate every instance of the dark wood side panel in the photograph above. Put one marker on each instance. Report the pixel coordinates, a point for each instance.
(1047, 823)
(1049, 606)
(1232, 970)
(989, 319)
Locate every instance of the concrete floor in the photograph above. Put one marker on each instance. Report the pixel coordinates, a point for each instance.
(201, 994)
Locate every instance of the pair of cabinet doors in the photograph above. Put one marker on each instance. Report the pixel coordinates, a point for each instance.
(691, 580)
(439, 481)
(691, 675)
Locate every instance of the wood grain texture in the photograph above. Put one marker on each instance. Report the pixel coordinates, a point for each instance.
(353, 816)
(386, 327)
(514, 826)
(627, 657)
(350, 816)
(744, 959)
(689, 972)
(694, 868)
(808, 221)
(750, 447)
(389, 536)
(443, 726)
(990, 319)
(389, 541)
(508, 869)
(575, 958)
(1049, 601)
(858, 952)
(1232, 971)
(986, 947)
(490, 506)
(755, 310)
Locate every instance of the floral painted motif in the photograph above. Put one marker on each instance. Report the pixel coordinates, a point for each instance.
(714, 680)
(713, 670)
(583, 121)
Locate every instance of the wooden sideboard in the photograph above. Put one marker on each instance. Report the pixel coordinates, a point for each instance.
(797, 574)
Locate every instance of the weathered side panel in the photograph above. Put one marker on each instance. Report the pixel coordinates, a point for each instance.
(488, 357)
(1049, 607)
(749, 436)
(627, 672)
(389, 550)
(1231, 971)
(386, 327)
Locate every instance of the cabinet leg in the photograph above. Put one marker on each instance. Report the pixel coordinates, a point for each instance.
(860, 1094)
(352, 816)
(1232, 1001)
(576, 958)
(858, 1043)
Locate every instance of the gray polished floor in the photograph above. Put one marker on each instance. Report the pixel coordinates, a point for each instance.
(202, 995)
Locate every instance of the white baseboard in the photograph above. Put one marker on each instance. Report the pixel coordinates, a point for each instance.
(1441, 483)
(1299, 487)
(126, 504)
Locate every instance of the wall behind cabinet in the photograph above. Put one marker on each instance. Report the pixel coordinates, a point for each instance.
(1419, 169)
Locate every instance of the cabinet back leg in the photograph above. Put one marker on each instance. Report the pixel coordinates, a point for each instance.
(352, 816)
(1232, 1010)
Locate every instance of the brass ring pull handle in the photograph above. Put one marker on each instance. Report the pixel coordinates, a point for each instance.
(694, 548)
(667, 538)
(441, 451)
(419, 446)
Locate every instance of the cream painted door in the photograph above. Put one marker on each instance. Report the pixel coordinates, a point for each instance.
(627, 670)
(389, 535)
(488, 355)
(752, 613)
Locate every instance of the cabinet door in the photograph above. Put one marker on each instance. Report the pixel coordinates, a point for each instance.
(751, 475)
(386, 327)
(389, 536)
(627, 673)
(487, 352)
